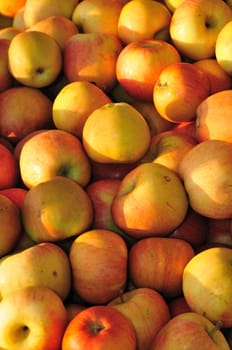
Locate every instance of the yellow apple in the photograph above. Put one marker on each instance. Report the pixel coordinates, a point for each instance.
(116, 133)
(223, 48)
(9, 8)
(195, 25)
(29, 64)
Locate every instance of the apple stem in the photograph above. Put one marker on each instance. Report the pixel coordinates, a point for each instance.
(218, 325)
(121, 296)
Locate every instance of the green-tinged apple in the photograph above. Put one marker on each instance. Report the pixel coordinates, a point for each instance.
(179, 90)
(220, 231)
(32, 318)
(165, 259)
(9, 175)
(10, 225)
(15, 194)
(52, 153)
(23, 110)
(9, 8)
(178, 305)
(140, 20)
(147, 310)
(74, 103)
(138, 79)
(195, 25)
(169, 148)
(98, 260)
(43, 264)
(223, 48)
(97, 16)
(6, 80)
(92, 57)
(190, 331)
(27, 62)
(205, 171)
(208, 125)
(56, 209)
(116, 133)
(99, 327)
(151, 201)
(207, 284)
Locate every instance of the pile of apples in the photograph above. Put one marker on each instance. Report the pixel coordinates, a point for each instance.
(115, 174)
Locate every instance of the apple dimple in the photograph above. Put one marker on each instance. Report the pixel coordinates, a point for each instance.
(96, 327)
(21, 333)
(39, 70)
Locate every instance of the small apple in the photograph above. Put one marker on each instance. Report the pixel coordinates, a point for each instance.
(223, 47)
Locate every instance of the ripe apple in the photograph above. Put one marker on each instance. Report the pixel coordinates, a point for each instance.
(207, 284)
(197, 332)
(151, 201)
(23, 109)
(158, 263)
(194, 19)
(6, 80)
(138, 79)
(208, 125)
(172, 4)
(52, 153)
(9, 175)
(179, 90)
(43, 264)
(99, 265)
(223, 47)
(99, 327)
(205, 171)
(188, 128)
(97, 16)
(147, 310)
(15, 194)
(97, 61)
(116, 133)
(32, 318)
(9, 8)
(27, 62)
(141, 20)
(74, 103)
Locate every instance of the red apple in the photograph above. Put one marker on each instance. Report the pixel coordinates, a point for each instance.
(9, 174)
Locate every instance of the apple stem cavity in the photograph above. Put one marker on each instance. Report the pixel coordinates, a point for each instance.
(97, 328)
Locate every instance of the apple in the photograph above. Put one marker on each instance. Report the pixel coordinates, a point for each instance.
(42, 264)
(32, 318)
(208, 125)
(188, 128)
(18, 19)
(223, 48)
(158, 263)
(9, 32)
(207, 284)
(220, 231)
(23, 242)
(178, 305)
(101, 171)
(141, 20)
(97, 61)
(197, 332)
(138, 79)
(98, 259)
(9, 174)
(151, 201)
(74, 103)
(147, 310)
(23, 109)
(172, 4)
(97, 16)
(205, 172)
(9, 8)
(6, 80)
(73, 309)
(48, 217)
(27, 63)
(194, 19)
(99, 327)
(116, 133)
(179, 90)
(58, 153)
(15, 194)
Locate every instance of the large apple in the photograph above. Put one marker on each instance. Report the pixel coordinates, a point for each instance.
(32, 318)
(151, 201)
(52, 153)
(190, 331)
(207, 284)
(44, 264)
(99, 327)
(139, 64)
(99, 265)
(158, 263)
(29, 64)
(223, 48)
(195, 25)
(147, 310)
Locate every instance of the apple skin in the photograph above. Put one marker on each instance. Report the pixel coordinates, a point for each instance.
(147, 310)
(178, 306)
(6, 80)
(9, 175)
(220, 231)
(151, 201)
(100, 327)
(197, 332)
(223, 48)
(32, 318)
(15, 194)
(165, 259)
(99, 265)
(102, 171)
(47, 265)
(193, 19)
(9, 8)
(8, 33)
